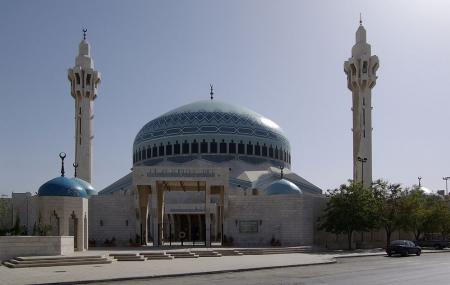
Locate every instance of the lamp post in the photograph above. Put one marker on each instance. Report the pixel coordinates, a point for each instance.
(362, 160)
(446, 186)
(420, 178)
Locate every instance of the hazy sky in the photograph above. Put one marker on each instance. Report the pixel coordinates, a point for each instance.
(283, 59)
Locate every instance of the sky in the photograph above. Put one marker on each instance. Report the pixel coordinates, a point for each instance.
(282, 59)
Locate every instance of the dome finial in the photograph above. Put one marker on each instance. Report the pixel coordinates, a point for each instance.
(75, 165)
(62, 155)
(211, 91)
(84, 33)
(281, 172)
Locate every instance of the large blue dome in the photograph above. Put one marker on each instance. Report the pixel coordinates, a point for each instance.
(90, 190)
(62, 186)
(211, 128)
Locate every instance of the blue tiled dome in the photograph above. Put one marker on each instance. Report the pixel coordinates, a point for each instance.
(282, 186)
(211, 122)
(62, 186)
(90, 190)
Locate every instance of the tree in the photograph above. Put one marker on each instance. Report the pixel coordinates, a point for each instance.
(350, 208)
(388, 198)
(415, 211)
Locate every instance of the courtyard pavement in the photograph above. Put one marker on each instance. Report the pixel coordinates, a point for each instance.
(128, 270)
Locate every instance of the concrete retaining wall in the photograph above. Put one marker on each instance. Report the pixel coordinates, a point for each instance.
(13, 246)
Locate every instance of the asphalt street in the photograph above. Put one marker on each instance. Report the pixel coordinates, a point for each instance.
(425, 269)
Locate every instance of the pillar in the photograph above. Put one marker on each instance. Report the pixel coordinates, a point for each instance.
(207, 215)
(143, 196)
(157, 212)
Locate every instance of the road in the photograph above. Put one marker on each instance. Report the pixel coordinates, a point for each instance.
(425, 269)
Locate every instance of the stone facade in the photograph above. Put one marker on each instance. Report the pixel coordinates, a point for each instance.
(13, 246)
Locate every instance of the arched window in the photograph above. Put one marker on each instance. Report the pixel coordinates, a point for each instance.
(134, 157)
(154, 151)
(176, 148)
(185, 147)
(284, 156)
(223, 147)
(276, 152)
(249, 148)
(232, 147)
(140, 155)
(168, 149)
(257, 149)
(204, 147)
(213, 146)
(241, 148)
(161, 150)
(149, 152)
(194, 147)
(271, 151)
(144, 153)
(264, 150)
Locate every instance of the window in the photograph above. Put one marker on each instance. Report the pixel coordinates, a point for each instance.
(254, 191)
(176, 148)
(204, 147)
(194, 147)
(213, 147)
(257, 149)
(232, 147)
(185, 147)
(154, 151)
(134, 157)
(249, 148)
(144, 154)
(276, 152)
(264, 150)
(126, 223)
(168, 149)
(271, 151)
(88, 79)
(241, 148)
(77, 76)
(101, 223)
(149, 152)
(140, 155)
(365, 67)
(161, 150)
(223, 147)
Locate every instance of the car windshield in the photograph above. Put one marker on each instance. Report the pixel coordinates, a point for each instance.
(398, 242)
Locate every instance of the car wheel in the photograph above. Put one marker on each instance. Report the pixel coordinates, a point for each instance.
(418, 253)
(404, 253)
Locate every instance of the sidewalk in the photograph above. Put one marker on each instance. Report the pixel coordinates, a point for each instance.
(155, 268)
(176, 267)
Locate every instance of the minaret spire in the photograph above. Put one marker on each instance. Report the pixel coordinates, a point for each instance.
(211, 91)
(84, 80)
(361, 70)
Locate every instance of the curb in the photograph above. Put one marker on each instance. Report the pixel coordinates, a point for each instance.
(330, 261)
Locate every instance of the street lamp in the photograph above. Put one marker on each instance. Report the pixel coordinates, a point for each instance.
(446, 187)
(420, 178)
(362, 160)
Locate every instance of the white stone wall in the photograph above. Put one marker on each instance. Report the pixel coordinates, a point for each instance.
(13, 246)
(287, 218)
(108, 216)
(6, 218)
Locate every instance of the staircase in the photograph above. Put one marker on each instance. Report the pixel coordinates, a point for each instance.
(47, 261)
(156, 255)
(207, 253)
(265, 251)
(183, 254)
(127, 257)
(229, 252)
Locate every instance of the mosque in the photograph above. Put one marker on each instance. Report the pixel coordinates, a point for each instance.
(208, 172)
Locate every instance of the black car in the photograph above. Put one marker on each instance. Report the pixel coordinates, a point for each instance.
(403, 247)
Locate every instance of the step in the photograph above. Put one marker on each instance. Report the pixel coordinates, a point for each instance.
(207, 253)
(130, 258)
(55, 263)
(229, 252)
(156, 255)
(183, 254)
(58, 257)
(36, 260)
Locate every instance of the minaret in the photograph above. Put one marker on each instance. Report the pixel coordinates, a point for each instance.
(84, 80)
(361, 78)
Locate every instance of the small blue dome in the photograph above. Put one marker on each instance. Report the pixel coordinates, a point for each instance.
(282, 186)
(62, 186)
(90, 191)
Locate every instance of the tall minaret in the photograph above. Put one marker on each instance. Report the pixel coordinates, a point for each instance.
(84, 80)
(361, 78)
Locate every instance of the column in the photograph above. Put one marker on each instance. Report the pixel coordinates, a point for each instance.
(157, 202)
(224, 209)
(143, 193)
(207, 214)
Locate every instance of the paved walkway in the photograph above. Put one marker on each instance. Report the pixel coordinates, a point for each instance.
(155, 268)
(176, 267)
